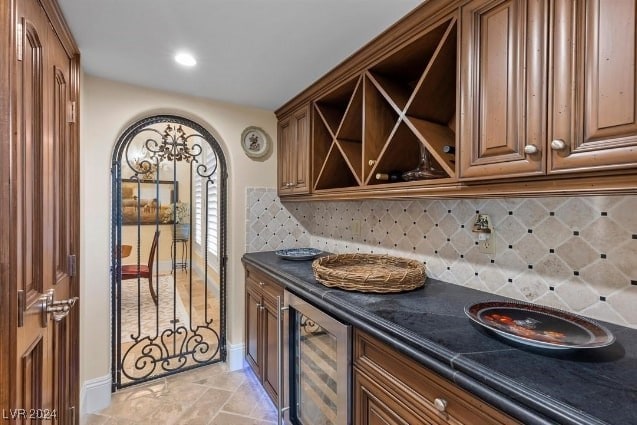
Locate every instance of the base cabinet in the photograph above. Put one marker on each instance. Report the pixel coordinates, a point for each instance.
(261, 328)
(391, 388)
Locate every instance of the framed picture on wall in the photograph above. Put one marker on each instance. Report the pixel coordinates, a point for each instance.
(147, 202)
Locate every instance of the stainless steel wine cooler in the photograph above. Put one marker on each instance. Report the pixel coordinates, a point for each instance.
(315, 351)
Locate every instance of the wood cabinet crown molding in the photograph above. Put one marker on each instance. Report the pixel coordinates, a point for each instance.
(389, 40)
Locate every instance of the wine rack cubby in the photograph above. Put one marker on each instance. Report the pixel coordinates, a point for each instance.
(392, 118)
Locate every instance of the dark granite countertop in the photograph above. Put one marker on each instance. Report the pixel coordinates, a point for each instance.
(536, 386)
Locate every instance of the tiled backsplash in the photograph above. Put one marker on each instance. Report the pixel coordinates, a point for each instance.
(577, 254)
(269, 224)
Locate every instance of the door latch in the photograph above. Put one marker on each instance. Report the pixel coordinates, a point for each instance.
(60, 309)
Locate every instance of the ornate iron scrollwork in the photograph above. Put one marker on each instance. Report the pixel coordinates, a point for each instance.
(170, 352)
(142, 150)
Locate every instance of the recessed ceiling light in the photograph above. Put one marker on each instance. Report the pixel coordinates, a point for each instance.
(185, 59)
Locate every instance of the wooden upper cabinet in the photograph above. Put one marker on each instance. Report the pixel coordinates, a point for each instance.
(294, 152)
(502, 88)
(593, 105)
(487, 92)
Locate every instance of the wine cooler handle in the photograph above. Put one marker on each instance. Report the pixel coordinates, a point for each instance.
(279, 354)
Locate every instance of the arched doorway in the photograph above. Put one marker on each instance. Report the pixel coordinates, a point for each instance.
(168, 250)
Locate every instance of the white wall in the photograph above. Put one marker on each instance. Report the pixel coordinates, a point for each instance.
(107, 109)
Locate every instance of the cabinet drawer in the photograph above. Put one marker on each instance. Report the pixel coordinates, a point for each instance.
(419, 389)
(268, 287)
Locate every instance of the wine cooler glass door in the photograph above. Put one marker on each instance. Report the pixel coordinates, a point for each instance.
(320, 369)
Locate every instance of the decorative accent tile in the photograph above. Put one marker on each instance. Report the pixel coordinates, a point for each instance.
(565, 243)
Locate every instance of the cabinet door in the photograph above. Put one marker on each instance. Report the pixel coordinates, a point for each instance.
(285, 133)
(253, 327)
(270, 346)
(593, 116)
(301, 151)
(502, 88)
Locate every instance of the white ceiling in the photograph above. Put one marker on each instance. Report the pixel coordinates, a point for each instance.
(249, 52)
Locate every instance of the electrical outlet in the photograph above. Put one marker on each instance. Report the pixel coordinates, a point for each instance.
(487, 246)
(355, 228)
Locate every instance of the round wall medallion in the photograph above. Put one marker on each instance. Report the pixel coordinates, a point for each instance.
(255, 142)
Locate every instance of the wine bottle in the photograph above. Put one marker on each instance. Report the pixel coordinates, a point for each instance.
(449, 149)
(391, 177)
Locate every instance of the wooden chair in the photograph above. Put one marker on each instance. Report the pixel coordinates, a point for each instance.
(132, 271)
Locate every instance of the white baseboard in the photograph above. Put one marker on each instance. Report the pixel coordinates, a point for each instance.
(235, 356)
(95, 394)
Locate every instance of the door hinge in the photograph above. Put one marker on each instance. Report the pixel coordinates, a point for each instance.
(22, 306)
(71, 265)
(72, 112)
(19, 41)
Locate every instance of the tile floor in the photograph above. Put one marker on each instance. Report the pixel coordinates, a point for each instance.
(210, 395)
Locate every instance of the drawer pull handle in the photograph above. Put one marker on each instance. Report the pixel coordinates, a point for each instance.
(440, 404)
(261, 284)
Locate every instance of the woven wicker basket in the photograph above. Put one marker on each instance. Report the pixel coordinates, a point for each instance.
(369, 272)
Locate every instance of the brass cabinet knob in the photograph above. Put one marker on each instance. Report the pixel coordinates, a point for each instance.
(261, 284)
(531, 149)
(371, 162)
(558, 145)
(440, 404)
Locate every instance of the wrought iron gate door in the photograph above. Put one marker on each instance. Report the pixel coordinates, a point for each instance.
(168, 250)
